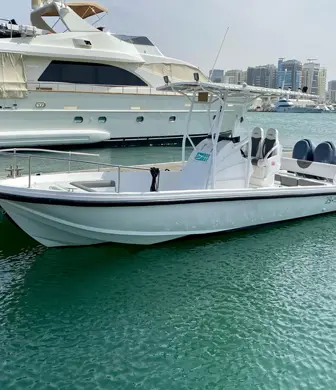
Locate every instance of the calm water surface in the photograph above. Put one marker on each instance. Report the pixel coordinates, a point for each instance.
(250, 310)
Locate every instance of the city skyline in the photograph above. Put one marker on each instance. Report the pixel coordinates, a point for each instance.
(288, 74)
(254, 37)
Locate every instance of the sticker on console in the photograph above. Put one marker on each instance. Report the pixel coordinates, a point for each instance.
(330, 199)
(202, 156)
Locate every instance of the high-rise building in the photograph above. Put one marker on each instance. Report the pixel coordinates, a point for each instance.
(310, 72)
(322, 82)
(235, 76)
(289, 74)
(216, 75)
(332, 91)
(262, 76)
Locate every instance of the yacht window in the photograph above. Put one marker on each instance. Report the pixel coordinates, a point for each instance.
(102, 119)
(136, 40)
(86, 73)
(78, 119)
(214, 117)
(140, 119)
(172, 118)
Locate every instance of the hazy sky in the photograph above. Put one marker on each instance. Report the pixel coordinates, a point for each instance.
(260, 30)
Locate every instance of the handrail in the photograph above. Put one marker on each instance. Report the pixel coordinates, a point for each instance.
(98, 164)
(95, 88)
(11, 24)
(47, 151)
(85, 162)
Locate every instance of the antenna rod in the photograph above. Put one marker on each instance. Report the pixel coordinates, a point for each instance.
(220, 49)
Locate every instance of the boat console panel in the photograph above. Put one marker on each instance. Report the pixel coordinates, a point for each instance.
(223, 137)
(226, 137)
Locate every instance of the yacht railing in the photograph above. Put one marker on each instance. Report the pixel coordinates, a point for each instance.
(15, 170)
(6, 26)
(91, 88)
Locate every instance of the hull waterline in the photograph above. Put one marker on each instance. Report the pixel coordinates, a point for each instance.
(61, 225)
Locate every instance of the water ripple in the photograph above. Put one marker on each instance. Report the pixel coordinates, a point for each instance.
(251, 310)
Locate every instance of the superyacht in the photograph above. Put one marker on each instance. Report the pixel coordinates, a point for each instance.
(85, 85)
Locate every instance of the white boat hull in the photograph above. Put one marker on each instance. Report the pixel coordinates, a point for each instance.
(24, 138)
(226, 184)
(298, 110)
(59, 225)
(68, 118)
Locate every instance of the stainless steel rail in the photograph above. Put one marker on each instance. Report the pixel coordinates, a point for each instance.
(10, 23)
(30, 157)
(95, 88)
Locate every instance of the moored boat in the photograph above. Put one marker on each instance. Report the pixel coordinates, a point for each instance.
(227, 183)
(69, 82)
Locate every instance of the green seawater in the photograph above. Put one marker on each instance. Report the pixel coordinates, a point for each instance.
(247, 310)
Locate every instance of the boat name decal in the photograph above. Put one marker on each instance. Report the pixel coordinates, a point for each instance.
(330, 199)
(202, 156)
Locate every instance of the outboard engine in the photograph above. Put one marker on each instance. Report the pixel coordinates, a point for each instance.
(304, 150)
(325, 152)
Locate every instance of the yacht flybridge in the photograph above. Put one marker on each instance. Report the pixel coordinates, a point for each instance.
(227, 183)
(65, 80)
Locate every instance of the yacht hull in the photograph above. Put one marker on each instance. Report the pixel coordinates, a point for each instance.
(299, 110)
(68, 118)
(19, 138)
(56, 223)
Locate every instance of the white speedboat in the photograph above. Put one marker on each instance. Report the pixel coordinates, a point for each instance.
(69, 82)
(227, 183)
(287, 105)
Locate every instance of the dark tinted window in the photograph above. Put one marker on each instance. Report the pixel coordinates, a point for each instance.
(135, 40)
(78, 119)
(84, 73)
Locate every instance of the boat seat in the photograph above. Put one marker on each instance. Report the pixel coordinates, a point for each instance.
(325, 152)
(90, 185)
(257, 138)
(270, 144)
(57, 187)
(295, 181)
(269, 163)
(304, 150)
